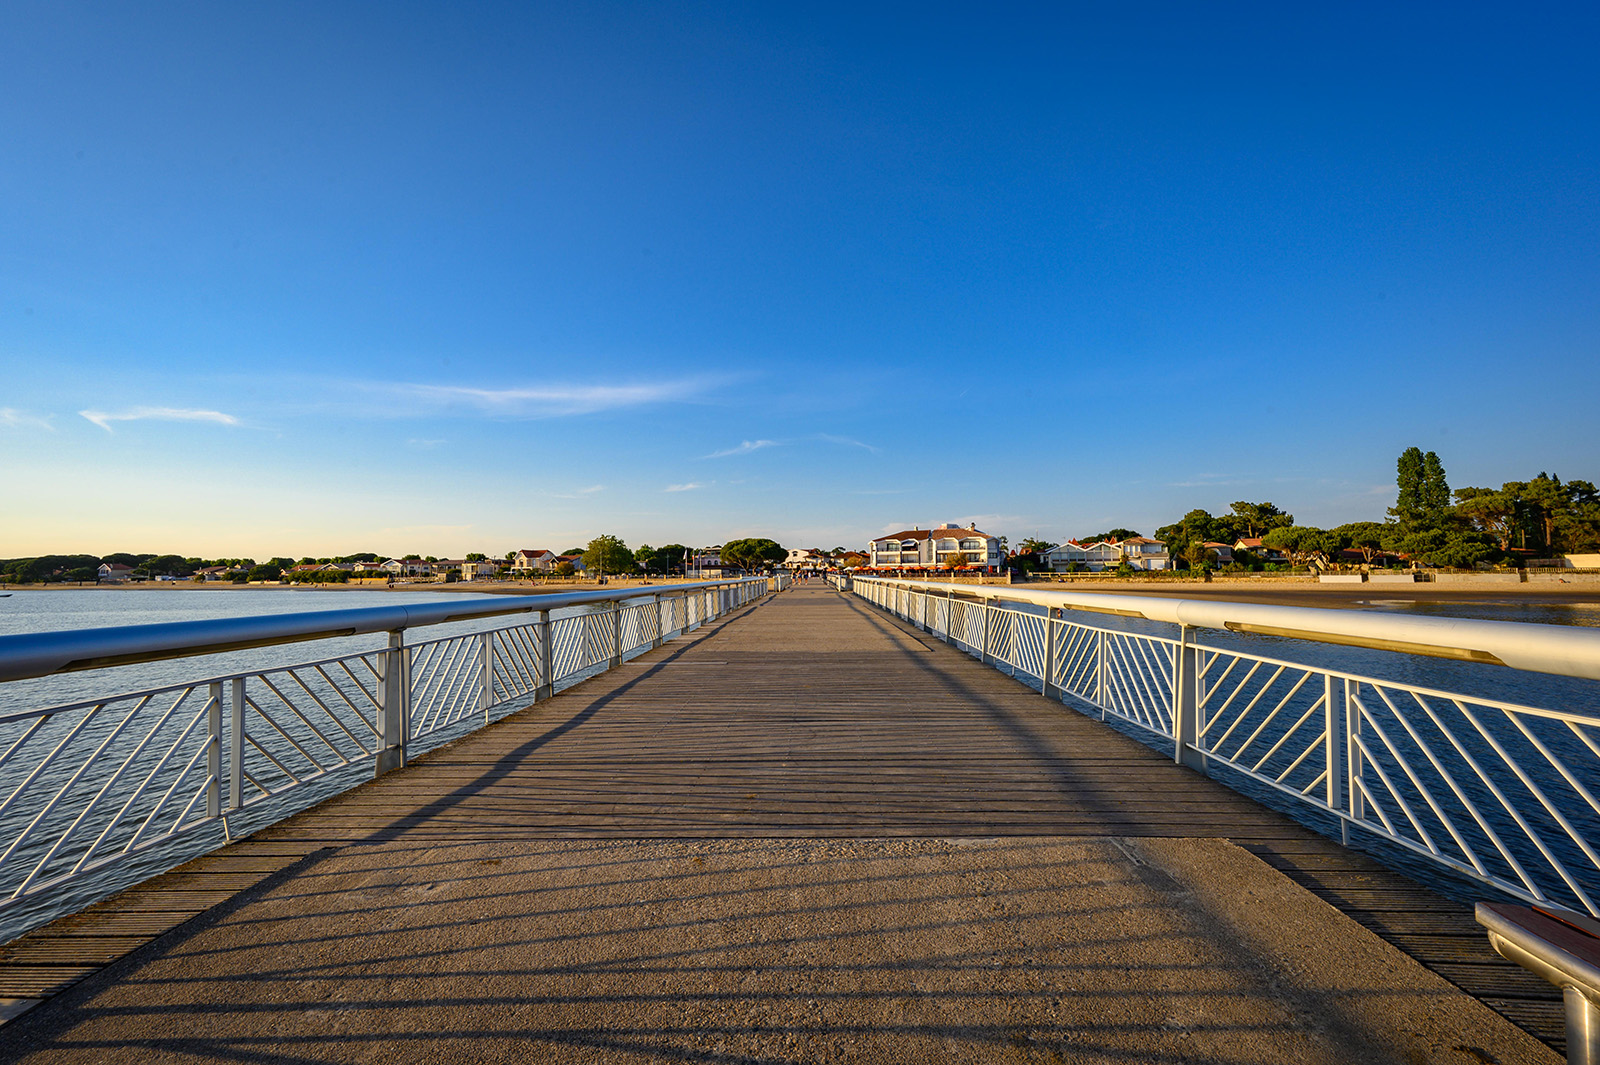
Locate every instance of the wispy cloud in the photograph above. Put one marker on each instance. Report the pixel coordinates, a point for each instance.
(157, 414)
(1207, 480)
(537, 401)
(11, 418)
(580, 492)
(744, 448)
(846, 441)
(690, 487)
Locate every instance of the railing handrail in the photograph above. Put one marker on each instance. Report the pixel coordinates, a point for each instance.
(1559, 649)
(45, 653)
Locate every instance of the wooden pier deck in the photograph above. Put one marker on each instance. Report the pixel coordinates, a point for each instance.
(805, 716)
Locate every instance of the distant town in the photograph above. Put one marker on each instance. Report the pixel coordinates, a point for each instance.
(1542, 522)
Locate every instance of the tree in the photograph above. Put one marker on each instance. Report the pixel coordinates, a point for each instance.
(476, 556)
(671, 557)
(268, 572)
(1301, 543)
(1195, 525)
(1424, 493)
(1112, 535)
(607, 554)
(753, 553)
(1254, 519)
(1368, 537)
(1435, 489)
(168, 566)
(1032, 546)
(956, 560)
(1501, 514)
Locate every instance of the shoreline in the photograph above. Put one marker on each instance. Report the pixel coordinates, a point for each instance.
(1271, 592)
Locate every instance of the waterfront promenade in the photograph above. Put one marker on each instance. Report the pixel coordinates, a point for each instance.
(805, 832)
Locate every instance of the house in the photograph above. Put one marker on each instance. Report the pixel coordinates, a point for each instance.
(213, 573)
(406, 567)
(479, 569)
(1100, 555)
(1254, 545)
(575, 561)
(805, 558)
(851, 560)
(927, 549)
(115, 572)
(533, 560)
(1221, 554)
(1141, 552)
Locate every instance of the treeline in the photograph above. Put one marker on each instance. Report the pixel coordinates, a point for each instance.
(608, 554)
(1429, 524)
(43, 569)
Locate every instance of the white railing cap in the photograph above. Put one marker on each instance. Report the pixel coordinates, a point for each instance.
(43, 653)
(1565, 650)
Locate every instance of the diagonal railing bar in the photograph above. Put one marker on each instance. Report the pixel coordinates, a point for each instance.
(1535, 836)
(265, 715)
(138, 792)
(294, 709)
(166, 797)
(371, 726)
(1509, 799)
(1445, 775)
(116, 776)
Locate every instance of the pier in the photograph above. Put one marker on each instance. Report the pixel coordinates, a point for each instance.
(805, 831)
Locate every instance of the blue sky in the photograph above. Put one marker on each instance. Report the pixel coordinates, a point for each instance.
(320, 278)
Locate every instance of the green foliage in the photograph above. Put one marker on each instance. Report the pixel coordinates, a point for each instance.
(1250, 520)
(670, 557)
(1032, 546)
(753, 553)
(1424, 496)
(168, 566)
(268, 572)
(607, 554)
(956, 560)
(563, 569)
(476, 556)
(1112, 534)
(1369, 537)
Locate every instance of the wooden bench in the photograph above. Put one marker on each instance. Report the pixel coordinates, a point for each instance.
(1564, 948)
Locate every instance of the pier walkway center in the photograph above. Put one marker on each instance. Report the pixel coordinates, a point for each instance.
(806, 831)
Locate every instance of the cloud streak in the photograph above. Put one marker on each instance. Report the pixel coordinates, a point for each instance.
(11, 418)
(744, 448)
(157, 414)
(690, 487)
(537, 401)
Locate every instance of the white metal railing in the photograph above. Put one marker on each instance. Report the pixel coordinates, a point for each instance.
(92, 783)
(1502, 793)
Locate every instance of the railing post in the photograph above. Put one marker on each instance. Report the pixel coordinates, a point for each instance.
(1186, 703)
(236, 746)
(1355, 762)
(988, 659)
(655, 638)
(1100, 672)
(392, 723)
(1047, 673)
(486, 673)
(1333, 723)
(214, 751)
(547, 684)
(616, 633)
